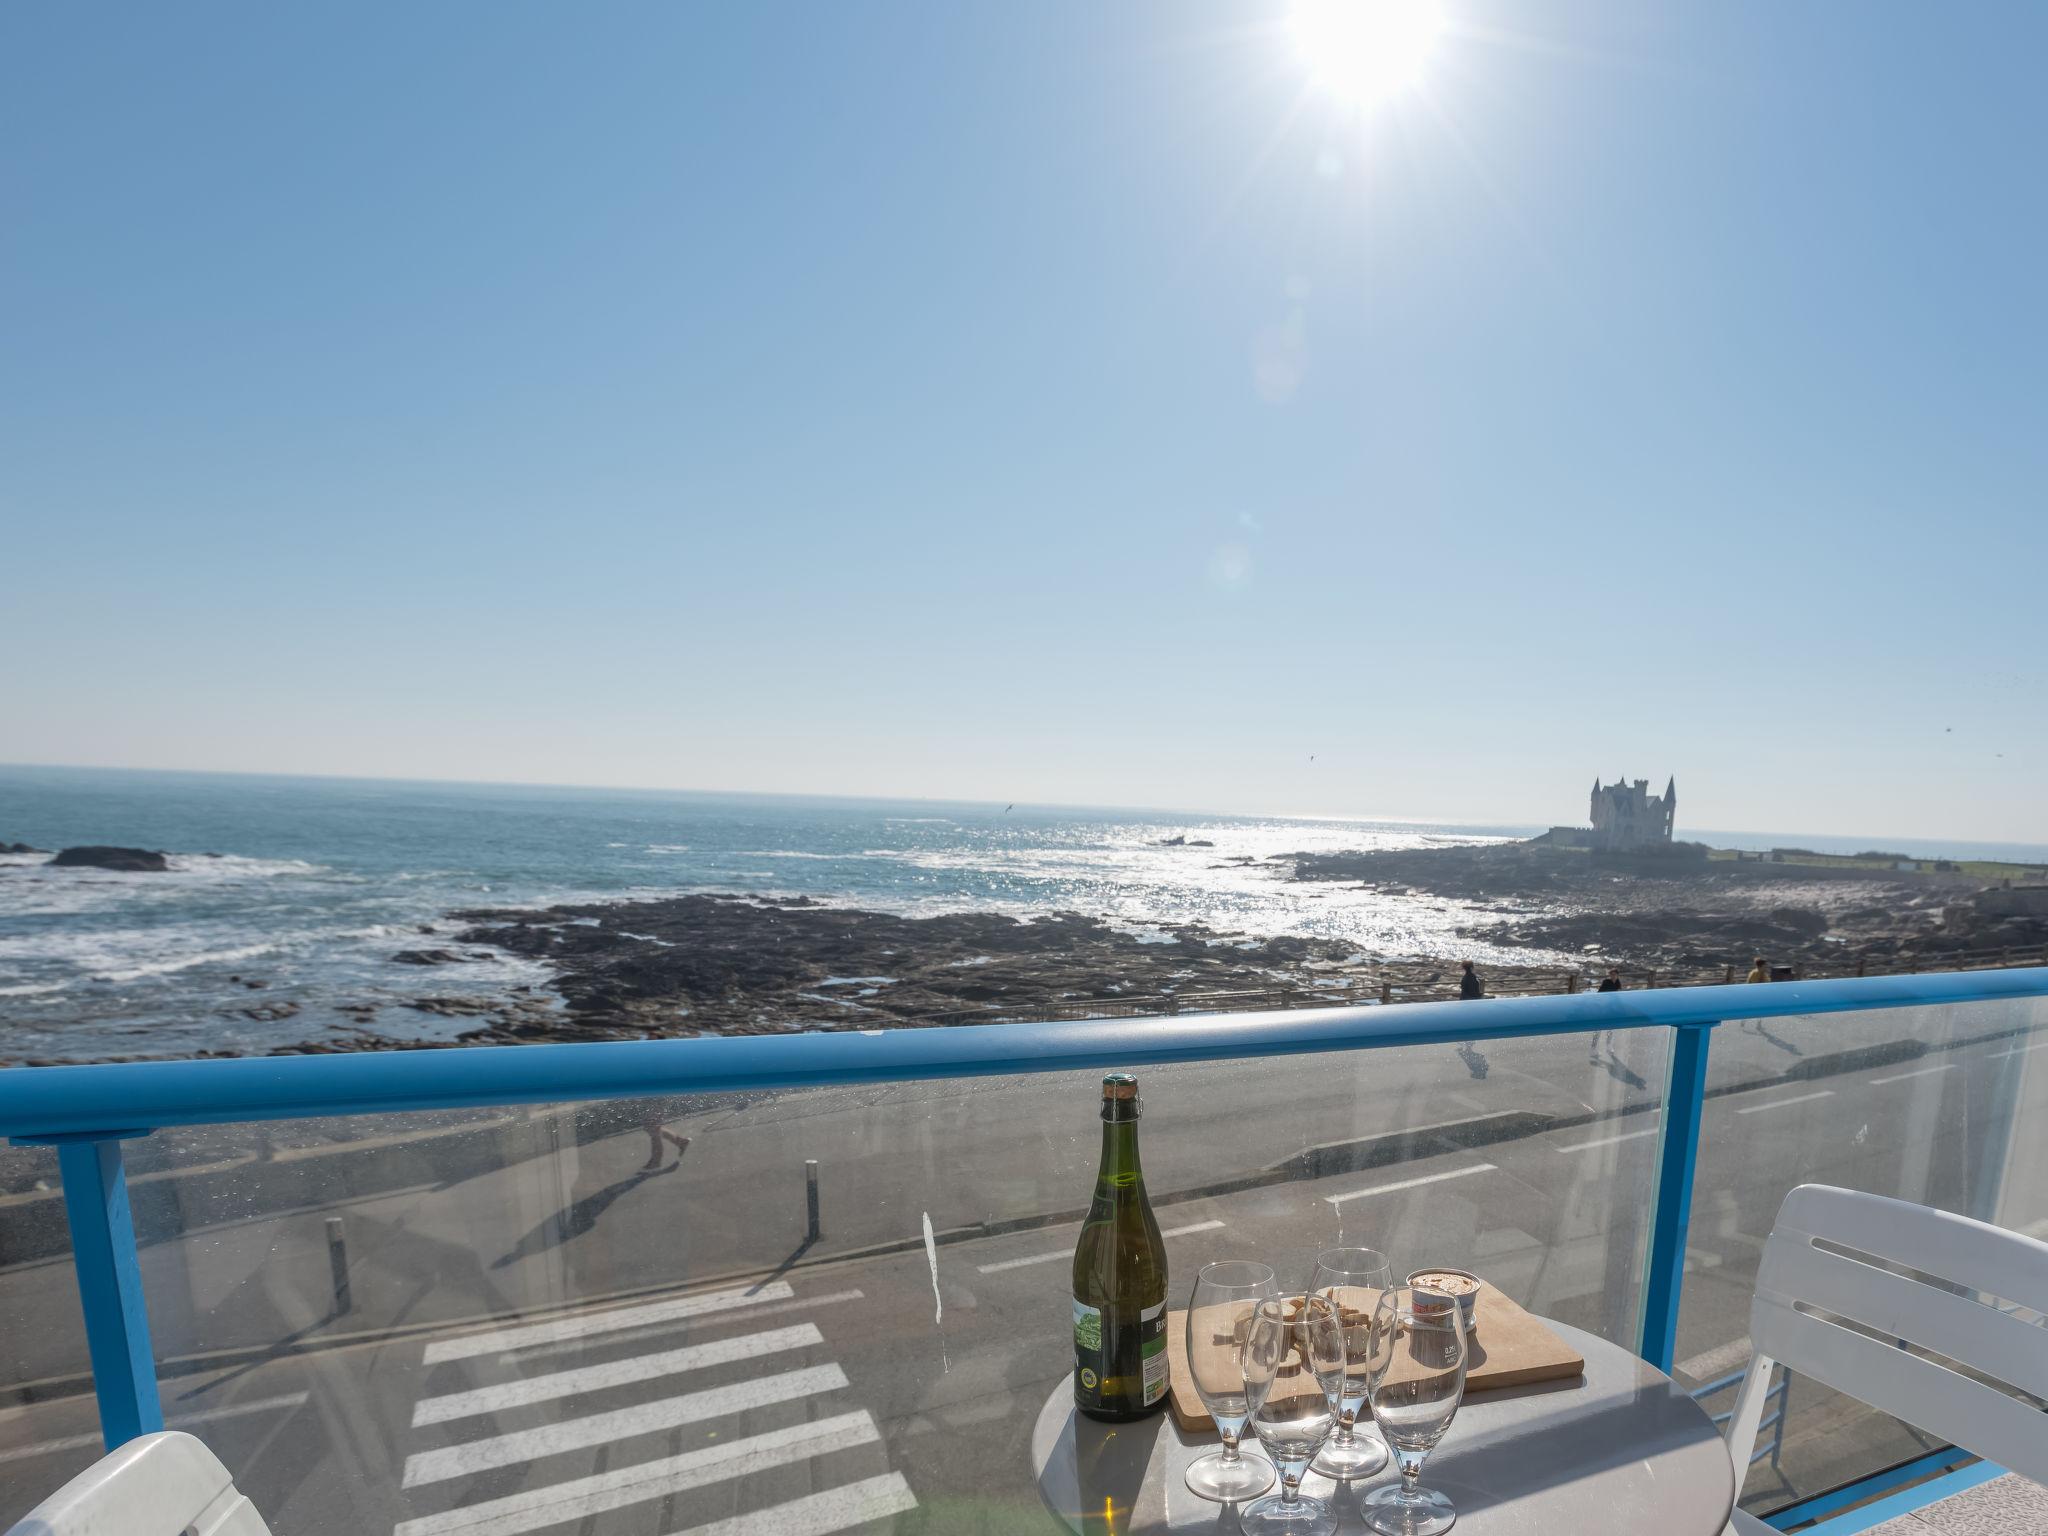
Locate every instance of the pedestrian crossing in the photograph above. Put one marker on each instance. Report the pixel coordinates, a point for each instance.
(534, 1442)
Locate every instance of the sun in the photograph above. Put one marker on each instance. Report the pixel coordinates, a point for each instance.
(1366, 52)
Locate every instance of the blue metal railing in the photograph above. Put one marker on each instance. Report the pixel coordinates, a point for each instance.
(86, 1111)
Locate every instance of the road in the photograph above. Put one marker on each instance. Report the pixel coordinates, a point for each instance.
(570, 1345)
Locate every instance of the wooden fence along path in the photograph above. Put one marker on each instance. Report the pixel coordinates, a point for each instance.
(1524, 982)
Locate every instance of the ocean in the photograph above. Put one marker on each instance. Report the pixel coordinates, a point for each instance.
(307, 887)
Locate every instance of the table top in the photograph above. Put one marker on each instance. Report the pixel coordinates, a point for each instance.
(1622, 1450)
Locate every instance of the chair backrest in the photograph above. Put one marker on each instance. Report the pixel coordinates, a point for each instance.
(164, 1484)
(1831, 1305)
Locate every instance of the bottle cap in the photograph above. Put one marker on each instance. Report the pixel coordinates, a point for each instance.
(1119, 1085)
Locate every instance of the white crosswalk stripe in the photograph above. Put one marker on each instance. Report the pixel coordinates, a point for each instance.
(722, 1457)
(618, 1373)
(582, 1497)
(527, 1445)
(505, 1340)
(836, 1509)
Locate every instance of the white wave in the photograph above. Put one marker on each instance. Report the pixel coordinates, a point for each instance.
(659, 847)
(229, 866)
(34, 989)
(185, 963)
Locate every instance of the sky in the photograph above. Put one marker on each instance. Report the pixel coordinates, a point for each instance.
(1060, 402)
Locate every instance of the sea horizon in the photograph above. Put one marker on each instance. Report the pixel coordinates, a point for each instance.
(1916, 845)
(290, 901)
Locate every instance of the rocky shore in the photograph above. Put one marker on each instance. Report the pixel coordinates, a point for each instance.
(1684, 912)
(725, 964)
(706, 964)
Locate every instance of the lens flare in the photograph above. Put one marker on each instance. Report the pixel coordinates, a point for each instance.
(1366, 52)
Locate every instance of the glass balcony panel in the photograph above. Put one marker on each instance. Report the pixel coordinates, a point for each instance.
(49, 1421)
(543, 1332)
(1943, 1106)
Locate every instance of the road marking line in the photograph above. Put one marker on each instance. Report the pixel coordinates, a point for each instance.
(1607, 1141)
(1804, 1098)
(503, 1340)
(1427, 1178)
(651, 1330)
(1900, 1077)
(582, 1497)
(203, 1416)
(820, 1514)
(528, 1445)
(613, 1373)
(1068, 1253)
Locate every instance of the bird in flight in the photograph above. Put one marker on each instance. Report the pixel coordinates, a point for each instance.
(1009, 808)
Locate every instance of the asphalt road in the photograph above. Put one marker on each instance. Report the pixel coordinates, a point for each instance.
(669, 1359)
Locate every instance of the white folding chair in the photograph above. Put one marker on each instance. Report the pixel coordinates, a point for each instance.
(1831, 1305)
(165, 1484)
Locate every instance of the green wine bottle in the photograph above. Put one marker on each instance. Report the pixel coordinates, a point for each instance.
(1119, 1276)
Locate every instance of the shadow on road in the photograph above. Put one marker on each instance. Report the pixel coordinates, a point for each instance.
(571, 1223)
(795, 1255)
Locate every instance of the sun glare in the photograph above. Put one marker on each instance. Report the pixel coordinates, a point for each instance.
(1366, 51)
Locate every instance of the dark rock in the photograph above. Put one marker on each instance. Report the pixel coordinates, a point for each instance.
(20, 848)
(127, 860)
(432, 957)
(268, 1013)
(1801, 920)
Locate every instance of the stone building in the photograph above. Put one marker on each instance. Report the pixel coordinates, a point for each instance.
(1626, 818)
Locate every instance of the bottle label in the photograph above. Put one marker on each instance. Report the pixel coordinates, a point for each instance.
(1152, 1349)
(1088, 1362)
(1112, 1373)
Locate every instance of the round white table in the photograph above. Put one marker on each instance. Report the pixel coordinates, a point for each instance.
(1621, 1451)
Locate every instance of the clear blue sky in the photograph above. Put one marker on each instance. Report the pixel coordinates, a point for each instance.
(1054, 401)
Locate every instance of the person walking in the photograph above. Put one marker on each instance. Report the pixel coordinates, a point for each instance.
(1468, 984)
(1757, 972)
(657, 1133)
(1611, 982)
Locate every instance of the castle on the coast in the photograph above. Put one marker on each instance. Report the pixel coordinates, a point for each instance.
(1626, 817)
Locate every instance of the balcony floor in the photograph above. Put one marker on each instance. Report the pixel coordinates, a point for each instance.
(2005, 1506)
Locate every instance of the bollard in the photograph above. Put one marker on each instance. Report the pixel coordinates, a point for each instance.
(813, 1231)
(1386, 991)
(1571, 982)
(337, 1263)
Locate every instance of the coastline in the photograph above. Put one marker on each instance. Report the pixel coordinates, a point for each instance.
(316, 916)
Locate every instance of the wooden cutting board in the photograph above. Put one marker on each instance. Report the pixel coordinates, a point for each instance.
(1510, 1348)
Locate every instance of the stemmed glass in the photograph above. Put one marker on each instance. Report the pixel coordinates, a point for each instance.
(1353, 1279)
(1418, 1380)
(1293, 1371)
(1219, 1317)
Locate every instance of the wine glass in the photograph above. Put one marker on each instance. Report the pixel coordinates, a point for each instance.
(1293, 1370)
(1219, 1316)
(1353, 1279)
(1418, 1380)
